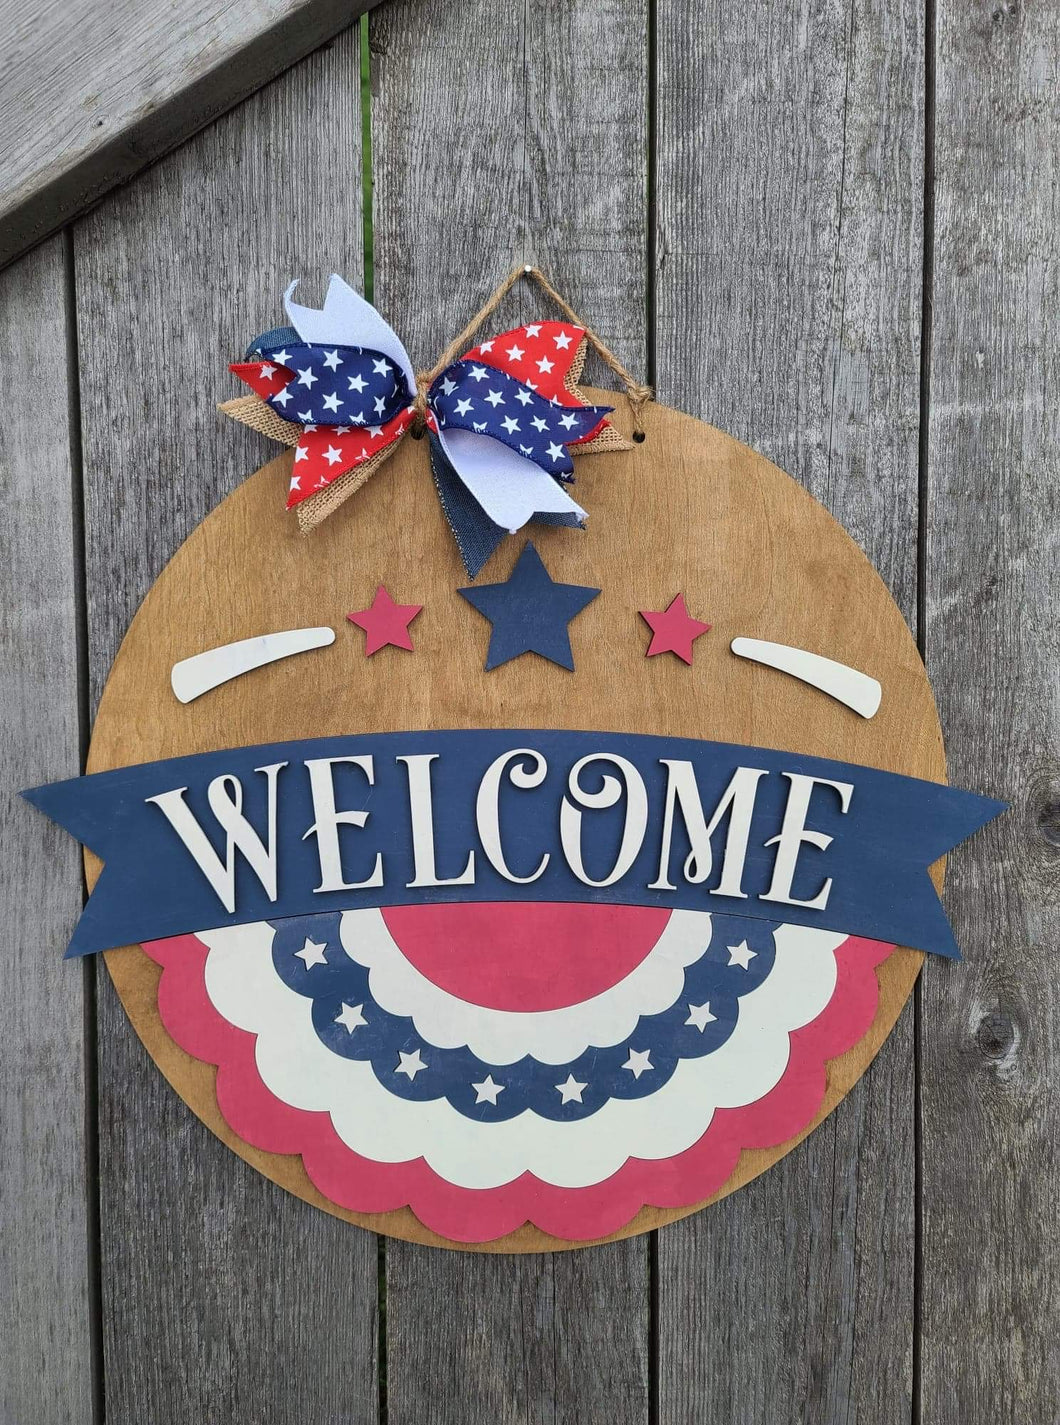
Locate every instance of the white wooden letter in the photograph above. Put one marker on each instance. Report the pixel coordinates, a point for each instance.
(738, 801)
(421, 809)
(636, 823)
(793, 834)
(225, 797)
(327, 820)
(487, 807)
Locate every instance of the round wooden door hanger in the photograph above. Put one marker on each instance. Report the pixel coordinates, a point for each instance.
(518, 911)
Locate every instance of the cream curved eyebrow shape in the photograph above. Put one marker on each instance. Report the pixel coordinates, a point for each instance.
(856, 690)
(194, 676)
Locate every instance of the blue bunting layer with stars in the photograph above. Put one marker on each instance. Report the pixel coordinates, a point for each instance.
(351, 1024)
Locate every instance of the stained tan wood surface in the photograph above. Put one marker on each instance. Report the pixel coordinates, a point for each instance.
(689, 510)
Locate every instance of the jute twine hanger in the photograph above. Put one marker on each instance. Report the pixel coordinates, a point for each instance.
(636, 394)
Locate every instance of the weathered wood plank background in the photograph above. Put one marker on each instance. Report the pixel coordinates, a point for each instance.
(830, 228)
(90, 93)
(790, 178)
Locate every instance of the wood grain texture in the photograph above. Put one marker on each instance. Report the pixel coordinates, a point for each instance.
(789, 176)
(991, 1060)
(223, 1300)
(91, 94)
(513, 131)
(501, 132)
(562, 1346)
(46, 1297)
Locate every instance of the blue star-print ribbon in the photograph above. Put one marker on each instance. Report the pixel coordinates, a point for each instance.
(333, 386)
(469, 396)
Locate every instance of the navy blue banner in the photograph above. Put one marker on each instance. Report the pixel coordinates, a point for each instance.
(262, 833)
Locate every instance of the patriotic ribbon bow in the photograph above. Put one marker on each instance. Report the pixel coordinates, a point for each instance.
(338, 385)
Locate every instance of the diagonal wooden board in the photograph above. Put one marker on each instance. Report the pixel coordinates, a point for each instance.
(91, 94)
(689, 510)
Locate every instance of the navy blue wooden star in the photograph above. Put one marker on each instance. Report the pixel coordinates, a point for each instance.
(530, 612)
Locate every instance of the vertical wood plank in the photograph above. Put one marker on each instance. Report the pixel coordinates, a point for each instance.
(224, 1298)
(45, 1297)
(991, 1059)
(789, 268)
(507, 132)
(503, 132)
(91, 94)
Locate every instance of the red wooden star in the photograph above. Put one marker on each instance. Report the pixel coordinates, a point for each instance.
(385, 622)
(674, 630)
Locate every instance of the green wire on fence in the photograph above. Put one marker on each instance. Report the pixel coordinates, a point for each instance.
(366, 161)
